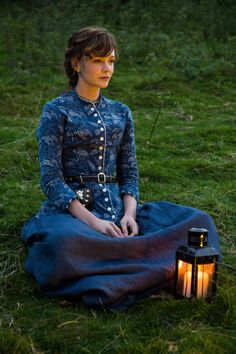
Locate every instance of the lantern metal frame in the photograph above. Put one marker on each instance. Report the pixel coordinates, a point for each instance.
(198, 260)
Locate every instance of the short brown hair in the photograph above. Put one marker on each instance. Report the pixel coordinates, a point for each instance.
(88, 42)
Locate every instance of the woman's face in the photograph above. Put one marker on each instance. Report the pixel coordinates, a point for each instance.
(97, 71)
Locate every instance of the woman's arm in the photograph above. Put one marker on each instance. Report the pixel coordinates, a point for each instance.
(49, 134)
(130, 205)
(127, 175)
(128, 222)
(127, 169)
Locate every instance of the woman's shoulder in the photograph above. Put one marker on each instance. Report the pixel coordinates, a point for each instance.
(116, 104)
(64, 100)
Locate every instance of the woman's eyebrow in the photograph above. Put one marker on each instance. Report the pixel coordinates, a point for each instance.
(111, 56)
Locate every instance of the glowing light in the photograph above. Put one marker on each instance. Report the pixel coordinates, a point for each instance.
(187, 281)
(202, 282)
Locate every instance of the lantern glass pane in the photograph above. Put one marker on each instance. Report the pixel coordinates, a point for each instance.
(204, 279)
(184, 281)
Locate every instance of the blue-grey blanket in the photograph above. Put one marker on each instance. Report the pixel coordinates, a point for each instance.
(68, 258)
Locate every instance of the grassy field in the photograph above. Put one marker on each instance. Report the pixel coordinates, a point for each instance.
(190, 158)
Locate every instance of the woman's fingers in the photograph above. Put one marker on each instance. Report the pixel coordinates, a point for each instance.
(117, 229)
(124, 227)
(134, 228)
(114, 230)
(131, 225)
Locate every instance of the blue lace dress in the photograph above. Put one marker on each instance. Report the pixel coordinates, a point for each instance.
(65, 255)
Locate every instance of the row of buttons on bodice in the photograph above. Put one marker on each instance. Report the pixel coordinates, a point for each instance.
(101, 157)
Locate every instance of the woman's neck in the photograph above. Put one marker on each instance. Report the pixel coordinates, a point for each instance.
(88, 94)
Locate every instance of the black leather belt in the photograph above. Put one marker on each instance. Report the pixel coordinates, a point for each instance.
(100, 178)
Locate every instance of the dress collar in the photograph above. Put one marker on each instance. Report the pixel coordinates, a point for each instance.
(85, 101)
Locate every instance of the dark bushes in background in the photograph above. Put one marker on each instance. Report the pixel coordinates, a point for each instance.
(190, 38)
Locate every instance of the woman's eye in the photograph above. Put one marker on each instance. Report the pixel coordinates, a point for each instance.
(99, 61)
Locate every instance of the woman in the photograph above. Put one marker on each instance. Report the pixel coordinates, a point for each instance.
(92, 250)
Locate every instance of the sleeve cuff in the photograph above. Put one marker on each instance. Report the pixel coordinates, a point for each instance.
(130, 192)
(63, 202)
(69, 201)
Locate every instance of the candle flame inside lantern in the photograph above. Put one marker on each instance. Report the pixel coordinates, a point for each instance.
(187, 281)
(203, 278)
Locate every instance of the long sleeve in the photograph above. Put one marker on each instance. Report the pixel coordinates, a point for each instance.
(127, 169)
(50, 137)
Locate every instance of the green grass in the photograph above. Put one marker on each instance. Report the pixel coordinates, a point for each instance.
(189, 159)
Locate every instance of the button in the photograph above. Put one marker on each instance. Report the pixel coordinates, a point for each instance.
(95, 114)
(101, 138)
(100, 157)
(104, 190)
(99, 121)
(101, 129)
(100, 185)
(92, 109)
(100, 147)
(109, 209)
(113, 216)
(106, 199)
(100, 168)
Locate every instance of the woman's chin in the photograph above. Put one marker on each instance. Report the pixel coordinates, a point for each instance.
(104, 85)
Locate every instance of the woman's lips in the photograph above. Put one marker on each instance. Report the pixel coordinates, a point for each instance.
(105, 77)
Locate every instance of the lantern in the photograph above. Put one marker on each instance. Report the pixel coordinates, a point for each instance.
(196, 267)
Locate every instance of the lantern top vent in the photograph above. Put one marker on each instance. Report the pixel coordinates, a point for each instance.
(197, 237)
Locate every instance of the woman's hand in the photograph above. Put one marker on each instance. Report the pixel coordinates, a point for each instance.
(103, 226)
(107, 227)
(128, 223)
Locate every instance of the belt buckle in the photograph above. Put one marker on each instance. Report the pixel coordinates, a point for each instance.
(103, 180)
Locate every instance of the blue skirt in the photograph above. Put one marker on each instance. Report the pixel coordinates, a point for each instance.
(68, 258)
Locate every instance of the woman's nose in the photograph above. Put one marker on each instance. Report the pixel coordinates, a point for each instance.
(106, 66)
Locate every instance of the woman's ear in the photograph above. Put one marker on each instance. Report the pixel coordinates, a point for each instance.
(75, 64)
